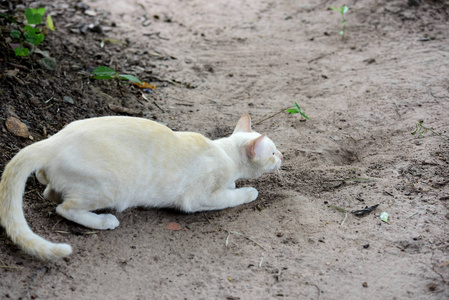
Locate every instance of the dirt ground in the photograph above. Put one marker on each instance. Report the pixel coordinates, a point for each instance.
(212, 61)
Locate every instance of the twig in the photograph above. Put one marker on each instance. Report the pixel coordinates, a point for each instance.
(258, 122)
(227, 239)
(346, 216)
(154, 102)
(246, 237)
(342, 210)
(236, 233)
(278, 275)
(319, 290)
(56, 224)
(269, 117)
(5, 266)
(317, 58)
(261, 260)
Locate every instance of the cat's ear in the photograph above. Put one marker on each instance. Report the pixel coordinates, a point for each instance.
(254, 147)
(244, 124)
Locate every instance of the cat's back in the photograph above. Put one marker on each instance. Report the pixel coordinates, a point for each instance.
(115, 124)
(112, 128)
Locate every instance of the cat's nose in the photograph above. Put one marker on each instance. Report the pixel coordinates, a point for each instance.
(281, 156)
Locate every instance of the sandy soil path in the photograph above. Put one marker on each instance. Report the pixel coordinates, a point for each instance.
(363, 95)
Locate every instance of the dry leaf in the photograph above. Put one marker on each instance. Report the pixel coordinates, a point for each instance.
(12, 73)
(144, 85)
(16, 127)
(174, 226)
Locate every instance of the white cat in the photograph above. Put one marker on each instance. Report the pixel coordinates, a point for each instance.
(120, 162)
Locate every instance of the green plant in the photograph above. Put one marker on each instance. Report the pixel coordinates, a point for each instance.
(31, 33)
(420, 129)
(342, 10)
(297, 110)
(103, 72)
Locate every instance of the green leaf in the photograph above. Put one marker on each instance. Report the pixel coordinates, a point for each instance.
(34, 15)
(384, 216)
(15, 33)
(19, 51)
(50, 24)
(103, 72)
(344, 9)
(130, 78)
(297, 110)
(335, 8)
(32, 35)
(104, 77)
(304, 114)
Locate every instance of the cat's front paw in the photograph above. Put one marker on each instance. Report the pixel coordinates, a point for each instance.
(252, 194)
(108, 221)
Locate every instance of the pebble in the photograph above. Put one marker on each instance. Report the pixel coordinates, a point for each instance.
(68, 99)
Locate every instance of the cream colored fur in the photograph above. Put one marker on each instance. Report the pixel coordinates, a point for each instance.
(120, 162)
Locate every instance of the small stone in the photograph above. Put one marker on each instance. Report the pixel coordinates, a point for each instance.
(365, 284)
(68, 99)
(366, 246)
(16, 127)
(90, 12)
(369, 61)
(35, 101)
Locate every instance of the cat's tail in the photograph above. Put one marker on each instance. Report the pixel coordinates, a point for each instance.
(12, 187)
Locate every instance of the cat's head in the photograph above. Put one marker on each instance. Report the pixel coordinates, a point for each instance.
(258, 151)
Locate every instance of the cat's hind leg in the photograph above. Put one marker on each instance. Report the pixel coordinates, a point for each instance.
(49, 192)
(224, 198)
(77, 211)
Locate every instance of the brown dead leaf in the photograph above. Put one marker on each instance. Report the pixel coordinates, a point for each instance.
(16, 127)
(144, 85)
(12, 73)
(174, 226)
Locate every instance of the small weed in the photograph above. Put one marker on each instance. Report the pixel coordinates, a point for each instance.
(420, 129)
(31, 33)
(342, 10)
(103, 72)
(297, 110)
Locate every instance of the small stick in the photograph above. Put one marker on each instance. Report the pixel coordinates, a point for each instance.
(261, 260)
(269, 117)
(278, 275)
(56, 224)
(258, 122)
(246, 237)
(5, 266)
(319, 290)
